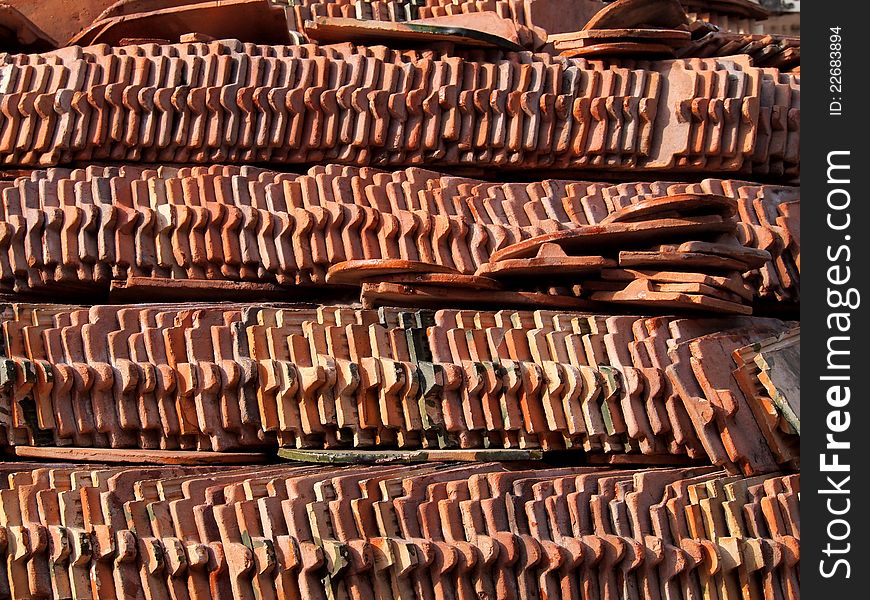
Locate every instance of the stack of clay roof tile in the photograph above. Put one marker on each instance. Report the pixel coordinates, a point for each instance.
(281, 21)
(429, 531)
(280, 104)
(438, 317)
(225, 377)
(124, 21)
(663, 30)
(553, 16)
(244, 229)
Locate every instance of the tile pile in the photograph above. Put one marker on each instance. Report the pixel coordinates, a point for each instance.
(225, 377)
(515, 328)
(429, 531)
(234, 230)
(233, 102)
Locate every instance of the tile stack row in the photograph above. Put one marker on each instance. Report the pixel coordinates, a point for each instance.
(689, 239)
(237, 229)
(213, 102)
(430, 531)
(226, 377)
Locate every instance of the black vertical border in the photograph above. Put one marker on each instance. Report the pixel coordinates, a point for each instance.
(822, 134)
